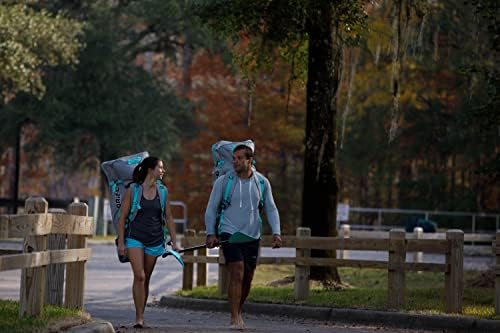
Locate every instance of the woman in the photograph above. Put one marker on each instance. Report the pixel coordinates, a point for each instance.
(143, 237)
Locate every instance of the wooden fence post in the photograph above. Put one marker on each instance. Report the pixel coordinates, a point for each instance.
(55, 272)
(201, 268)
(75, 271)
(187, 276)
(33, 279)
(454, 276)
(496, 251)
(417, 256)
(301, 285)
(345, 232)
(4, 227)
(396, 280)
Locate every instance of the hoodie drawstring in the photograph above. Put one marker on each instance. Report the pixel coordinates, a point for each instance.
(249, 194)
(241, 204)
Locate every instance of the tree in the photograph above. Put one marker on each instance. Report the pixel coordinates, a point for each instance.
(272, 25)
(32, 41)
(220, 102)
(445, 153)
(105, 107)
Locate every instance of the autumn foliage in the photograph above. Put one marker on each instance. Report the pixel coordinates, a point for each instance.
(225, 109)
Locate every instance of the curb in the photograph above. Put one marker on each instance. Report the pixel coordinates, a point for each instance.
(448, 323)
(100, 242)
(96, 326)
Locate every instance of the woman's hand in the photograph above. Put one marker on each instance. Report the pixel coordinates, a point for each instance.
(174, 246)
(121, 248)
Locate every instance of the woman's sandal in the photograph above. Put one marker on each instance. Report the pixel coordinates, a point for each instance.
(138, 325)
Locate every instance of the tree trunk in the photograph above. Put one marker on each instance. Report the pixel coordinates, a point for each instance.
(319, 204)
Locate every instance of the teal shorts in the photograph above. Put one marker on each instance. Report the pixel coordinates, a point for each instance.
(154, 251)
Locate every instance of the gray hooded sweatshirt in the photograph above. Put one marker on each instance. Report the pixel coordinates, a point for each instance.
(243, 212)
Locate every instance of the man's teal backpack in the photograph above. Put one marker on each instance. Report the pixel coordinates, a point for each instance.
(222, 156)
(119, 174)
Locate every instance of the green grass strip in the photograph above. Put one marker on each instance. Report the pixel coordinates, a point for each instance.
(424, 292)
(11, 322)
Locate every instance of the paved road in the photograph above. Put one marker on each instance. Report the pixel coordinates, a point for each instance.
(108, 296)
(162, 319)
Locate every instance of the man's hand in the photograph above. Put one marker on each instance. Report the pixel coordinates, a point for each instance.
(276, 241)
(212, 241)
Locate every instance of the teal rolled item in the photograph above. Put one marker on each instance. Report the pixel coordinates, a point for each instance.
(176, 255)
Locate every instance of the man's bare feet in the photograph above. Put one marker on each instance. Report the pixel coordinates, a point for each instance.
(237, 324)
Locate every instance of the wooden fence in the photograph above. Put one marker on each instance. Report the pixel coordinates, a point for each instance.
(396, 243)
(51, 243)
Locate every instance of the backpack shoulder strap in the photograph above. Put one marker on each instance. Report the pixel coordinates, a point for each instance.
(226, 200)
(261, 185)
(163, 193)
(135, 202)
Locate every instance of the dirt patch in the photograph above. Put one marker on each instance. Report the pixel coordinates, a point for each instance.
(327, 285)
(281, 282)
(333, 285)
(65, 324)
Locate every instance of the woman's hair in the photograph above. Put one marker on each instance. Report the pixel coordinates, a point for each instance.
(141, 170)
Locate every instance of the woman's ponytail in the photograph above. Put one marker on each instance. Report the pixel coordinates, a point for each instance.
(141, 170)
(138, 176)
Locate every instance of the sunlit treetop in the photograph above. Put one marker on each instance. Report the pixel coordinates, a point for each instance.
(30, 42)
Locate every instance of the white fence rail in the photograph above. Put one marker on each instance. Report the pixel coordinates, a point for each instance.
(427, 214)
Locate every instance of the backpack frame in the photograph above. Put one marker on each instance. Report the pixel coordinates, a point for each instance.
(119, 174)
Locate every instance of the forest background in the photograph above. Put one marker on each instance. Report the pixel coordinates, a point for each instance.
(418, 124)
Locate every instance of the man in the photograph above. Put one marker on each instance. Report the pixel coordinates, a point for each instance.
(242, 216)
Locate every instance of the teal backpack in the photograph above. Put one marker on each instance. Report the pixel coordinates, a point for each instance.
(222, 156)
(119, 175)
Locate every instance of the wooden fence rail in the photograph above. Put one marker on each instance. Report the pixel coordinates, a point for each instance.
(397, 243)
(43, 256)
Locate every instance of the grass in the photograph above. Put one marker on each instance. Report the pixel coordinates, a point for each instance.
(103, 238)
(367, 290)
(54, 318)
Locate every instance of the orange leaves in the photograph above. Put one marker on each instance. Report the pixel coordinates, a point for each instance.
(221, 110)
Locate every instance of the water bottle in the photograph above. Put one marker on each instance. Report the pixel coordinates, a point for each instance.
(121, 258)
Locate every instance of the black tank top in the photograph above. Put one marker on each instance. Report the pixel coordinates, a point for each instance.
(147, 226)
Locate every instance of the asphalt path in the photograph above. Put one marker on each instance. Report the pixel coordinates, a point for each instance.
(174, 320)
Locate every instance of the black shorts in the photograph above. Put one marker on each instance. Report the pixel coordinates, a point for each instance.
(246, 252)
